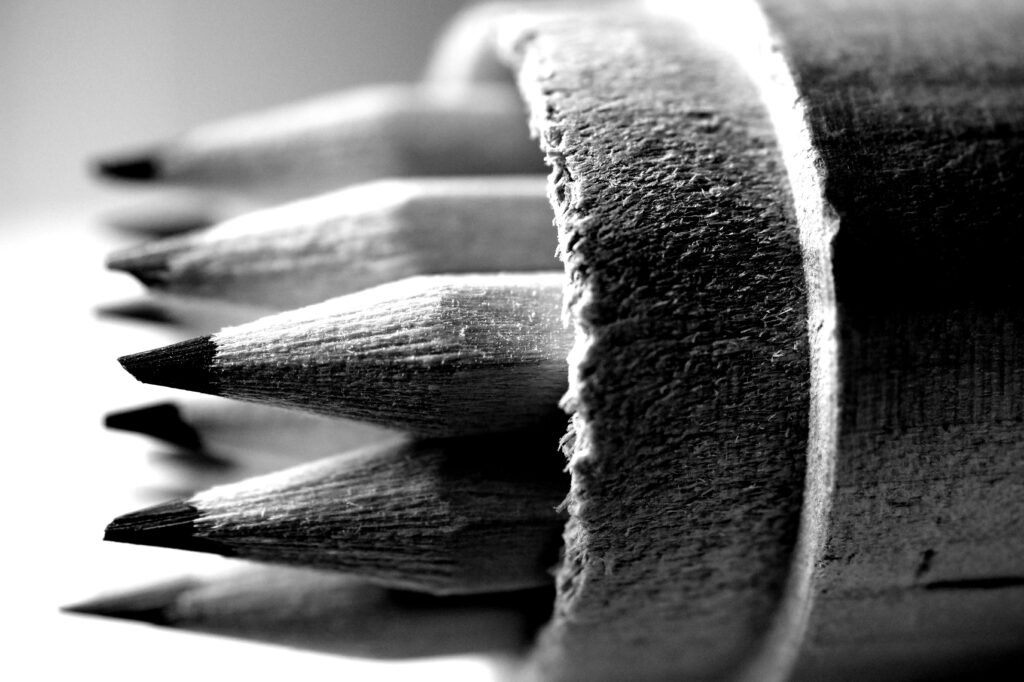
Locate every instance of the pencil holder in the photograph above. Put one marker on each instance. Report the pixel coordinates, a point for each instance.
(791, 240)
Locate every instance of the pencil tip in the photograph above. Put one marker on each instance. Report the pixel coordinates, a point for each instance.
(142, 310)
(187, 365)
(151, 605)
(147, 263)
(168, 524)
(134, 167)
(162, 421)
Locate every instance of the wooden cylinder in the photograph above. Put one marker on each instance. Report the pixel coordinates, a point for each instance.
(792, 237)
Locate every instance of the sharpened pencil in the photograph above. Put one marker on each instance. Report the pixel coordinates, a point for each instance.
(434, 355)
(245, 431)
(333, 613)
(356, 135)
(369, 234)
(444, 517)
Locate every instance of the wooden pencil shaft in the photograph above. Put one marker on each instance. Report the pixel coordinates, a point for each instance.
(361, 134)
(334, 613)
(362, 236)
(445, 517)
(440, 355)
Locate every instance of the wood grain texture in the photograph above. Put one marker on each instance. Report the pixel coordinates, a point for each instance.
(916, 112)
(900, 127)
(308, 251)
(444, 516)
(434, 355)
(690, 384)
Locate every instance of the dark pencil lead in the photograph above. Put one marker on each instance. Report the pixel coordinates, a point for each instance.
(162, 421)
(132, 167)
(151, 605)
(168, 524)
(143, 311)
(187, 365)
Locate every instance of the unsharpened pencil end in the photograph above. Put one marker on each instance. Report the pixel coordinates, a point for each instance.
(187, 365)
(162, 421)
(151, 605)
(169, 524)
(135, 167)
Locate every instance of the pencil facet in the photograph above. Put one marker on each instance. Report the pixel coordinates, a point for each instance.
(439, 356)
(446, 516)
(353, 136)
(308, 251)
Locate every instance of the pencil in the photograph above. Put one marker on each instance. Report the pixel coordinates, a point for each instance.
(184, 317)
(164, 220)
(333, 613)
(311, 250)
(244, 431)
(437, 355)
(361, 134)
(444, 517)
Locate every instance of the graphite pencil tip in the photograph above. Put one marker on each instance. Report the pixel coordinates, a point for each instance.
(162, 421)
(168, 524)
(153, 605)
(136, 167)
(147, 263)
(187, 365)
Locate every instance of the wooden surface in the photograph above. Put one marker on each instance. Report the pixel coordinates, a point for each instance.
(916, 112)
(689, 377)
(441, 355)
(898, 129)
(373, 233)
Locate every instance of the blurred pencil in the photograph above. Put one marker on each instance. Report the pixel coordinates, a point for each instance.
(245, 431)
(164, 220)
(186, 317)
(311, 250)
(333, 613)
(445, 517)
(360, 134)
(438, 355)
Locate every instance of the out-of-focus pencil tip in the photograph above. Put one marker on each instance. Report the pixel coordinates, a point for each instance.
(139, 311)
(138, 167)
(162, 421)
(147, 263)
(150, 605)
